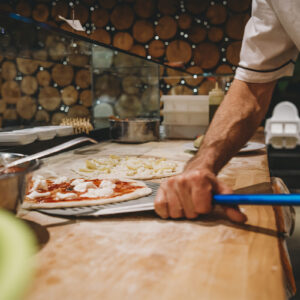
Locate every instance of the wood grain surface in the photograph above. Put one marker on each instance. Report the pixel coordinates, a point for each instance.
(140, 256)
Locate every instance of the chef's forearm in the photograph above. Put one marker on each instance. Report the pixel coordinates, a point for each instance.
(239, 115)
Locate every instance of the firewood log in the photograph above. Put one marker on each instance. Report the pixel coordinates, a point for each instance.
(83, 78)
(128, 106)
(23, 8)
(206, 55)
(238, 5)
(216, 14)
(190, 80)
(156, 48)
(69, 95)
(40, 12)
(166, 28)
(86, 98)
(215, 34)
(10, 114)
(224, 69)
(180, 90)
(233, 52)
(57, 118)
(29, 85)
(78, 60)
(122, 40)
(144, 8)
(107, 84)
(122, 17)
(81, 13)
(196, 7)
(26, 108)
(42, 116)
(41, 54)
(62, 74)
(173, 76)
(107, 3)
(101, 36)
(49, 98)
(9, 70)
(179, 51)
(57, 50)
(205, 87)
(150, 99)
(10, 91)
(61, 8)
(2, 106)
(43, 78)
(100, 17)
(27, 66)
(168, 7)
(143, 31)
(132, 85)
(78, 111)
(138, 50)
(197, 34)
(184, 21)
(235, 26)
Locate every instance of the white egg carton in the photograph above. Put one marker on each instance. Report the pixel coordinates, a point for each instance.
(29, 135)
(176, 131)
(186, 118)
(185, 103)
(282, 129)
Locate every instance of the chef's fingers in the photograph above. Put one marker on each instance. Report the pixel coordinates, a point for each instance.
(160, 204)
(232, 211)
(174, 205)
(184, 193)
(234, 214)
(202, 191)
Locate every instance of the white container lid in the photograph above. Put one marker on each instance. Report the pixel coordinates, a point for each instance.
(282, 129)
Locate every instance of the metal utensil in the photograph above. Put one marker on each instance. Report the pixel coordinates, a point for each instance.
(139, 130)
(12, 185)
(48, 151)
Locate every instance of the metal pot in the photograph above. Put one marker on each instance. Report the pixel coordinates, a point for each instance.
(137, 130)
(13, 185)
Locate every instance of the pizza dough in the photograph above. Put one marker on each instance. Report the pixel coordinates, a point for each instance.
(132, 167)
(62, 192)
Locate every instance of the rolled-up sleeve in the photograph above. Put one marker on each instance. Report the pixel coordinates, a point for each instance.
(267, 51)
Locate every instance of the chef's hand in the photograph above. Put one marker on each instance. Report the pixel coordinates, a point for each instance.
(190, 194)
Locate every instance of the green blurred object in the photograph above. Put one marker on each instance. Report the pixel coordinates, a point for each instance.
(17, 248)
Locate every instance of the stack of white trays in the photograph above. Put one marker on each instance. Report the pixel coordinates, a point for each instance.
(282, 129)
(185, 116)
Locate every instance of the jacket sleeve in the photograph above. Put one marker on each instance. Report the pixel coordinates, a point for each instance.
(267, 51)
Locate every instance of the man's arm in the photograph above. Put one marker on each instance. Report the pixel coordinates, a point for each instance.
(190, 193)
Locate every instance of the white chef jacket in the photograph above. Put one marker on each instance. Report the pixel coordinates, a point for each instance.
(271, 41)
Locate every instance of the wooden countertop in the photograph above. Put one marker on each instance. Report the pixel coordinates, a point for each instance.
(140, 256)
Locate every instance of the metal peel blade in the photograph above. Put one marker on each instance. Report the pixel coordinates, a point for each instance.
(48, 151)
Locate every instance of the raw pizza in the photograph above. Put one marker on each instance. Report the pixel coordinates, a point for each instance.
(60, 192)
(133, 167)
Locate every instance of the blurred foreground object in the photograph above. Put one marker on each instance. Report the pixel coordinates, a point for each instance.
(17, 247)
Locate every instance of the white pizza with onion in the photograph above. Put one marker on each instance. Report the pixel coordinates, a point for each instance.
(62, 192)
(132, 167)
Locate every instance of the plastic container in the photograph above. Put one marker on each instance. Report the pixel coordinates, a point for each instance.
(175, 131)
(185, 102)
(186, 117)
(282, 129)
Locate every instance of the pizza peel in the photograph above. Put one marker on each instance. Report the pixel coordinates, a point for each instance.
(258, 194)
